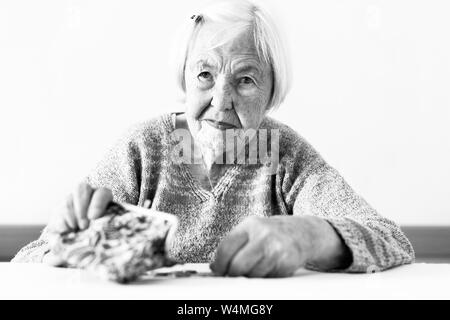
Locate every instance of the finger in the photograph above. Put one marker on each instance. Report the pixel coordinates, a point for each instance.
(58, 224)
(280, 270)
(262, 268)
(69, 214)
(52, 260)
(81, 199)
(287, 263)
(226, 251)
(245, 259)
(100, 200)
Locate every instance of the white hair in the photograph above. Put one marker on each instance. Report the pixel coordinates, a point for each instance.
(237, 16)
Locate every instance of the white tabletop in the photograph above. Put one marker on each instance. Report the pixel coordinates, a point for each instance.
(38, 281)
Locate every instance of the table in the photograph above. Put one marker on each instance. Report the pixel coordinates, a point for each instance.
(39, 281)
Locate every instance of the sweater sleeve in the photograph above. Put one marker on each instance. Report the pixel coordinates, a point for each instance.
(34, 251)
(119, 171)
(375, 242)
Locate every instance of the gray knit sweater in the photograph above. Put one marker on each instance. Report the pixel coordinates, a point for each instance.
(139, 167)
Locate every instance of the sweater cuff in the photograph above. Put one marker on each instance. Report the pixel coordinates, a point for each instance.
(350, 231)
(33, 252)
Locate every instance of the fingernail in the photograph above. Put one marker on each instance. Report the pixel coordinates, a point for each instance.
(91, 214)
(84, 224)
(213, 268)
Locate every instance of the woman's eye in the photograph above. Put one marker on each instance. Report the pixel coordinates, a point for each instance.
(205, 75)
(246, 80)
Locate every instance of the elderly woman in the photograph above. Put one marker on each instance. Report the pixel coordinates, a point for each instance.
(241, 217)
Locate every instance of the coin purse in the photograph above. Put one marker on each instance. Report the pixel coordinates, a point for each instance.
(122, 245)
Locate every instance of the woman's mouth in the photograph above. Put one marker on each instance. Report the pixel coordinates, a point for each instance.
(220, 125)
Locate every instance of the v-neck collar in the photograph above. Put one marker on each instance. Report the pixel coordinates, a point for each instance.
(222, 185)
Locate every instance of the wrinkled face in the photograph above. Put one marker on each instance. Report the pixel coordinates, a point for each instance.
(227, 87)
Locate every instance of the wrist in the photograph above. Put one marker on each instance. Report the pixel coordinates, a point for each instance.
(326, 250)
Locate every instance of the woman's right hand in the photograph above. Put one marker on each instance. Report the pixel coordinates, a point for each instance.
(83, 205)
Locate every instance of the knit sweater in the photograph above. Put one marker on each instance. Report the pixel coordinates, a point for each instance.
(139, 168)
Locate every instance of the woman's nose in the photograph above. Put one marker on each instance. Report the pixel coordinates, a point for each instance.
(222, 98)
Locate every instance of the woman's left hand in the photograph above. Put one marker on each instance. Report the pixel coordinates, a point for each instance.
(278, 246)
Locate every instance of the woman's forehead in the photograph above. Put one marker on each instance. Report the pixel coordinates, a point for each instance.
(214, 41)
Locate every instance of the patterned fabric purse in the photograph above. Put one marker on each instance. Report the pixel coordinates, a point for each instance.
(122, 245)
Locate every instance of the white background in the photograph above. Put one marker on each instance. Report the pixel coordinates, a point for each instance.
(371, 93)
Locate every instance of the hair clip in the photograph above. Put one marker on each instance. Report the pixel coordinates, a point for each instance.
(197, 18)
